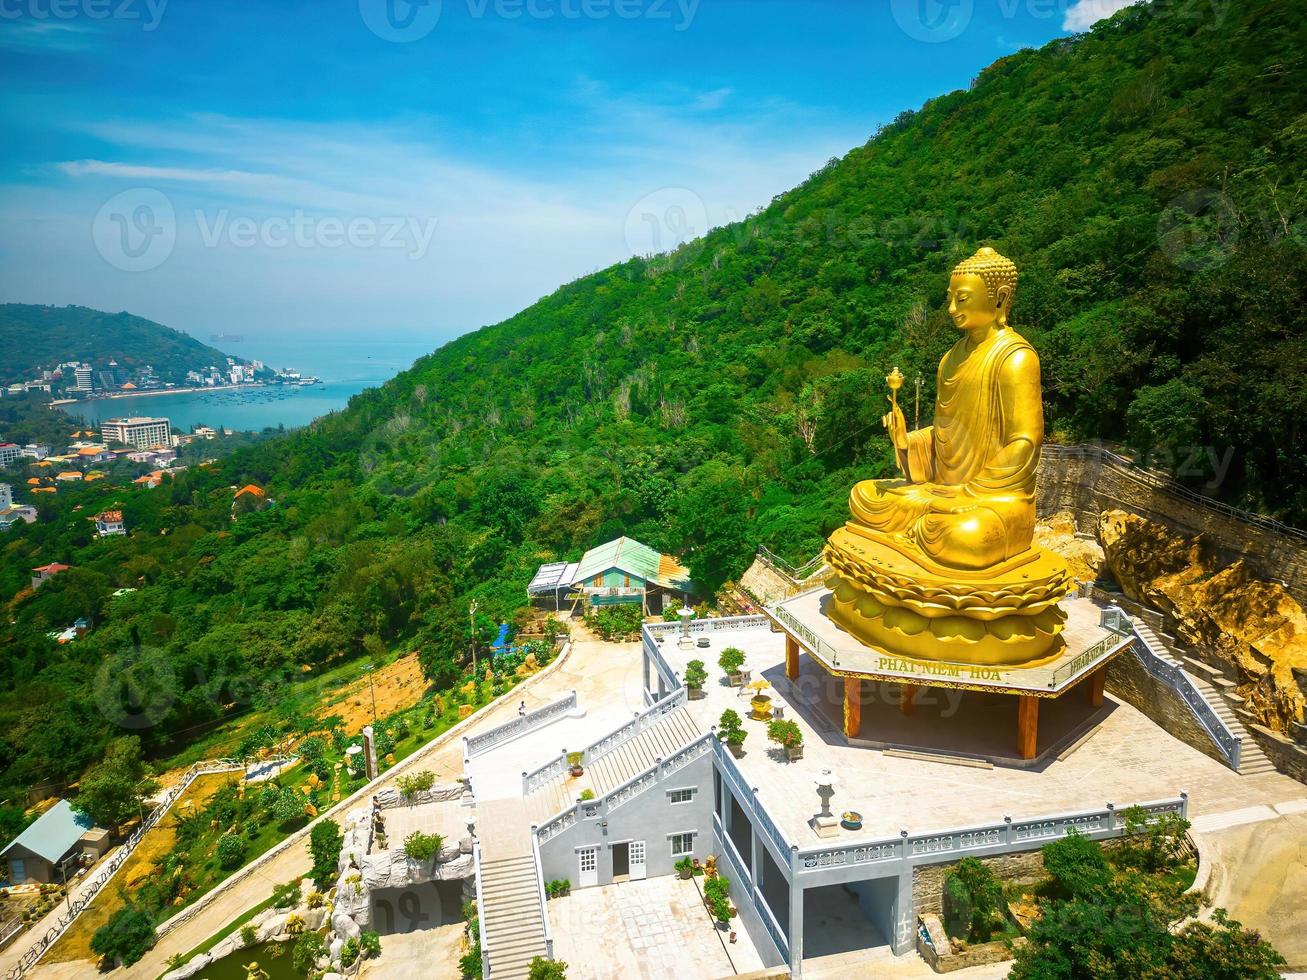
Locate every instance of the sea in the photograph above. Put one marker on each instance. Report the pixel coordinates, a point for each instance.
(345, 366)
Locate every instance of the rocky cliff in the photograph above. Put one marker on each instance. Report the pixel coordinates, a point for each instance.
(1252, 629)
(1057, 533)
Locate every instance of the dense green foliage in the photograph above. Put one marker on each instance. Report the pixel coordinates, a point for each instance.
(36, 337)
(720, 396)
(126, 937)
(325, 842)
(973, 907)
(111, 792)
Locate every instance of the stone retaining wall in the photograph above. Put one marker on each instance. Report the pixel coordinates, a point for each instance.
(1288, 757)
(1086, 483)
(1130, 682)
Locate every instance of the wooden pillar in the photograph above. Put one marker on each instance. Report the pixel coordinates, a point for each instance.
(1094, 686)
(791, 657)
(1027, 725)
(907, 698)
(852, 707)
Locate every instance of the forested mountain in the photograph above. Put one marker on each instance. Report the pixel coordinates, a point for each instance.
(35, 337)
(1147, 178)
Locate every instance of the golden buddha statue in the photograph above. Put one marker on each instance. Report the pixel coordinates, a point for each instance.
(939, 565)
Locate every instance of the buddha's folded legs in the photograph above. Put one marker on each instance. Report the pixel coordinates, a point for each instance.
(889, 506)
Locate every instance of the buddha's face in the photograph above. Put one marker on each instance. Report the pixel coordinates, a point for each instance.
(971, 306)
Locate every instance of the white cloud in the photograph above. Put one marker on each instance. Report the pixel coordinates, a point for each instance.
(1084, 14)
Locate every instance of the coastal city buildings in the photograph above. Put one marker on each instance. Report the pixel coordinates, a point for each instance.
(9, 451)
(143, 432)
(110, 522)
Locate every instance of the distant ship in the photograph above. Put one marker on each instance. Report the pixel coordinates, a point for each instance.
(227, 338)
(303, 382)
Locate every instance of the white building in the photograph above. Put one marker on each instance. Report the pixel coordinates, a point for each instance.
(110, 522)
(143, 433)
(9, 516)
(9, 451)
(33, 451)
(6, 496)
(83, 374)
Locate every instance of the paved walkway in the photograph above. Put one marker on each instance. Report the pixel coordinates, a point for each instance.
(596, 670)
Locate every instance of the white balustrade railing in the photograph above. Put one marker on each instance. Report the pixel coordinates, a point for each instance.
(477, 744)
(481, 908)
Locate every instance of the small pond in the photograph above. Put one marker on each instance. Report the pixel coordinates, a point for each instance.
(273, 958)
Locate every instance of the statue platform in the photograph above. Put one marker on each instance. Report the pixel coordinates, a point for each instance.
(1082, 662)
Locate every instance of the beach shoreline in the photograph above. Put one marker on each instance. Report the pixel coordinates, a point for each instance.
(60, 402)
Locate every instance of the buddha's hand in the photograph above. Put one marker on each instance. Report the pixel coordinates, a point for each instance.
(896, 425)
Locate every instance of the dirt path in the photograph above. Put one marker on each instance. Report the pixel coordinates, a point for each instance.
(397, 685)
(585, 670)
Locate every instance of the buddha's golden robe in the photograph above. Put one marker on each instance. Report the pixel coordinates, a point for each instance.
(968, 498)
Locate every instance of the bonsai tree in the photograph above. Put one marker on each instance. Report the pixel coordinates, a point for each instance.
(731, 660)
(422, 847)
(695, 675)
(574, 762)
(788, 735)
(731, 730)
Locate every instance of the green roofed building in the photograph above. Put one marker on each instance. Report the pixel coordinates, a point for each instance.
(620, 571)
(53, 846)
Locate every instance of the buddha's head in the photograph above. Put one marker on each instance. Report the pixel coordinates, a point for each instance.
(980, 290)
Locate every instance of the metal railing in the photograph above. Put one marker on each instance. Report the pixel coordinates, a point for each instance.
(102, 877)
(641, 723)
(1158, 481)
(796, 573)
(951, 844)
(509, 730)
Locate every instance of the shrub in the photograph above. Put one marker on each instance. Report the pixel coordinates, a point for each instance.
(785, 733)
(615, 622)
(325, 843)
(230, 851)
(587, 794)
(557, 887)
(731, 660)
(349, 952)
(695, 674)
(575, 758)
(685, 866)
(1152, 843)
(730, 729)
(369, 944)
(543, 969)
(308, 949)
(286, 896)
(127, 936)
(289, 805)
(249, 934)
(1077, 866)
(973, 902)
(312, 748)
(416, 782)
(422, 847)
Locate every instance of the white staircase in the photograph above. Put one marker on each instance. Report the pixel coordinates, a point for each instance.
(512, 916)
(1217, 691)
(627, 760)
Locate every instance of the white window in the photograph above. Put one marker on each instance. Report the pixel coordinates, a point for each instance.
(682, 844)
(681, 795)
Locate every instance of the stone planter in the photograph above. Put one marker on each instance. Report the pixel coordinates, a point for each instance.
(735, 680)
(695, 693)
(737, 749)
(793, 752)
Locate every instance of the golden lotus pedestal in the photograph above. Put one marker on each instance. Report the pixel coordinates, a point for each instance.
(893, 598)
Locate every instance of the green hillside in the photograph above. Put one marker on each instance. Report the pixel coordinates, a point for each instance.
(35, 337)
(726, 394)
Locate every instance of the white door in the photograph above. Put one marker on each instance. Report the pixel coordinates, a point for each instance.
(637, 860)
(589, 858)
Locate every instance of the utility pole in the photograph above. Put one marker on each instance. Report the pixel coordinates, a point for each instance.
(373, 688)
(916, 421)
(472, 635)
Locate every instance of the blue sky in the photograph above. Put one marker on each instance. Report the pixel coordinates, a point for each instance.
(346, 166)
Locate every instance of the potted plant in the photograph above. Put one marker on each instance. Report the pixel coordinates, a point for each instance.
(685, 868)
(587, 794)
(731, 660)
(731, 731)
(788, 735)
(695, 677)
(574, 763)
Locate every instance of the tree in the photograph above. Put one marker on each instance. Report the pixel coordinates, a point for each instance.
(112, 792)
(126, 937)
(230, 851)
(1077, 866)
(325, 843)
(543, 969)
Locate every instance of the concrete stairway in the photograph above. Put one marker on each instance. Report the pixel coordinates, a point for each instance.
(609, 771)
(512, 916)
(1216, 690)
